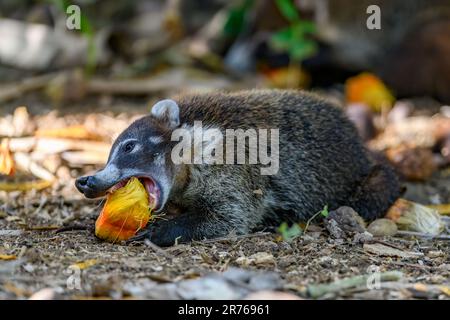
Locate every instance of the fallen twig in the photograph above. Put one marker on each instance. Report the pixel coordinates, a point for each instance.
(24, 186)
(56, 145)
(16, 90)
(423, 235)
(72, 228)
(24, 162)
(316, 291)
(157, 249)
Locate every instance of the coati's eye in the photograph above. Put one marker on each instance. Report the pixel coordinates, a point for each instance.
(128, 147)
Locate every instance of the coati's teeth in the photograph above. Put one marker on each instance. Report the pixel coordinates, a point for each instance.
(118, 185)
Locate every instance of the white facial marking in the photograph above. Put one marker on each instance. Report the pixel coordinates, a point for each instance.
(156, 139)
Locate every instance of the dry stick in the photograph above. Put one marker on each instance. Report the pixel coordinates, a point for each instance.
(311, 219)
(316, 291)
(126, 87)
(72, 228)
(56, 145)
(158, 249)
(423, 235)
(31, 84)
(388, 244)
(412, 265)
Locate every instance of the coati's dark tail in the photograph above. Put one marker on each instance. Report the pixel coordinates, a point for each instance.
(377, 192)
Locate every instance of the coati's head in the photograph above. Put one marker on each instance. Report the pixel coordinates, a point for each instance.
(143, 151)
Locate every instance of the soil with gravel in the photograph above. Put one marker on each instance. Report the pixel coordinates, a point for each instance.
(47, 241)
(47, 255)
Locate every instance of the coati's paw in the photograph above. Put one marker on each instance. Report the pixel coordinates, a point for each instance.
(164, 233)
(140, 236)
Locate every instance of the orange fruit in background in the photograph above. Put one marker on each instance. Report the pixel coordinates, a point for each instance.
(368, 89)
(126, 211)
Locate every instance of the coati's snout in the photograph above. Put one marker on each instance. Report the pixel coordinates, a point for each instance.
(143, 151)
(90, 187)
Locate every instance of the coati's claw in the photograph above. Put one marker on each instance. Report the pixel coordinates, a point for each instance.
(141, 236)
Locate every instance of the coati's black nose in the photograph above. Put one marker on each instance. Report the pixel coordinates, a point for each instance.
(88, 186)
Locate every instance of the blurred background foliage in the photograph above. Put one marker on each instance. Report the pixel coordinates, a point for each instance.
(308, 44)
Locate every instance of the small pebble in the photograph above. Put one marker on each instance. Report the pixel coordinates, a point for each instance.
(382, 228)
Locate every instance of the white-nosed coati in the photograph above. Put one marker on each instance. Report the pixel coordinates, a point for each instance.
(322, 161)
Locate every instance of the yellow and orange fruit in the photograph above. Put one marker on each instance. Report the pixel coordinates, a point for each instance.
(126, 211)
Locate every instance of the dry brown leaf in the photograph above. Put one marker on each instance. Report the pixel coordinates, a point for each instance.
(79, 132)
(85, 264)
(8, 257)
(25, 163)
(21, 122)
(416, 131)
(443, 209)
(413, 163)
(382, 250)
(56, 145)
(7, 166)
(9, 186)
(85, 157)
(445, 290)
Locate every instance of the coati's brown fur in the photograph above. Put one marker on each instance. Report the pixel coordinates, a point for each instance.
(322, 161)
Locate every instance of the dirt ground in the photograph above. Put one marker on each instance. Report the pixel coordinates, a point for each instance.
(77, 265)
(47, 242)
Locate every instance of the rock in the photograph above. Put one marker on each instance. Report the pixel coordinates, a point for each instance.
(344, 222)
(243, 261)
(262, 258)
(362, 237)
(382, 228)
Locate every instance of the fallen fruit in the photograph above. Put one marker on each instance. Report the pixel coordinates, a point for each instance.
(125, 213)
(413, 216)
(367, 88)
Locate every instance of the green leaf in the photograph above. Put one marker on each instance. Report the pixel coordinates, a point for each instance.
(305, 27)
(289, 233)
(288, 10)
(283, 38)
(302, 50)
(324, 211)
(235, 21)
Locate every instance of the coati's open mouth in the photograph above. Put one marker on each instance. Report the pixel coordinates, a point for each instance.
(153, 191)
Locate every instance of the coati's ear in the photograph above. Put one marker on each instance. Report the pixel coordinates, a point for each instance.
(167, 110)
